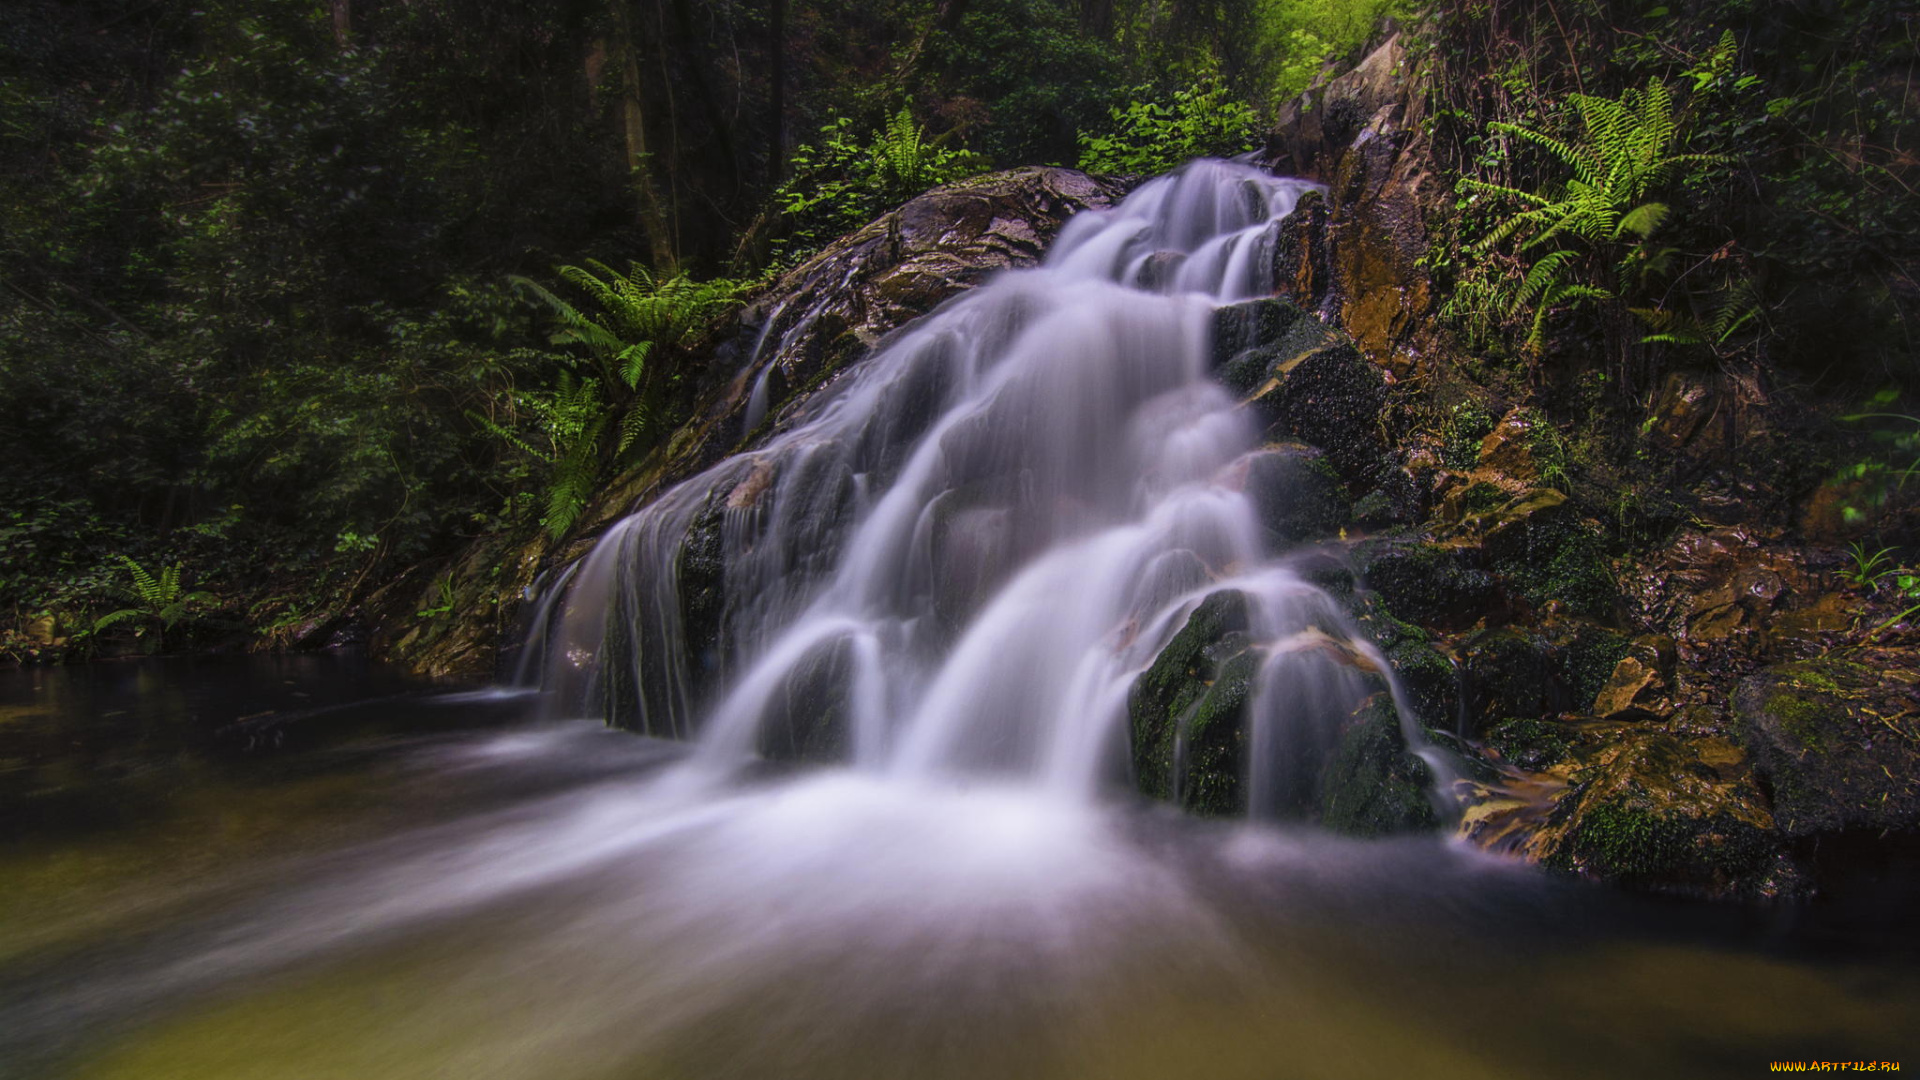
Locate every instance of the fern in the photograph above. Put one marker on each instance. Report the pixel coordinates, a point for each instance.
(1622, 157)
(158, 598)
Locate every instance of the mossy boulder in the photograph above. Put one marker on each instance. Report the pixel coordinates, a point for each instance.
(1837, 740)
(1187, 712)
(1255, 324)
(1431, 584)
(1296, 492)
(1510, 671)
(1427, 676)
(1332, 398)
(1648, 809)
(1530, 743)
(1374, 786)
(1549, 557)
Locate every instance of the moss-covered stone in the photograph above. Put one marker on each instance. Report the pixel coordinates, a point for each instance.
(1538, 543)
(1373, 786)
(1587, 656)
(1186, 712)
(1648, 810)
(1332, 399)
(1529, 743)
(1510, 671)
(1255, 324)
(1296, 492)
(1837, 739)
(1431, 584)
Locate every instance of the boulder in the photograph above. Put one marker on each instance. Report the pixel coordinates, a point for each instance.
(1837, 740)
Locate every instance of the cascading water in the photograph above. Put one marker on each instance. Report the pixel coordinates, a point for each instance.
(960, 561)
(963, 559)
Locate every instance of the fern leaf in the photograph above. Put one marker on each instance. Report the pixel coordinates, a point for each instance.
(1642, 220)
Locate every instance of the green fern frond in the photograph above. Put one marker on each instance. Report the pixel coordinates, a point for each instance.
(1642, 220)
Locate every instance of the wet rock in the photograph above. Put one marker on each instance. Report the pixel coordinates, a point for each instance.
(1510, 671)
(1636, 687)
(1430, 680)
(1302, 266)
(1187, 711)
(810, 719)
(1508, 449)
(1250, 325)
(1159, 268)
(1837, 740)
(1296, 492)
(1530, 743)
(1331, 398)
(1538, 543)
(1374, 786)
(1430, 584)
(1648, 810)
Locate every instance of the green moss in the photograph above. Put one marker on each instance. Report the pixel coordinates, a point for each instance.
(1588, 658)
(1461, 434)
(1184, 711)
(1530, 744)
(1373, 786)
(1482, 497)
(1627, 842)
(1427, 583)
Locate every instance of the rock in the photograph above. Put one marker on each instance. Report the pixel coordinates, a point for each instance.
(1509, 672)
(1508, 449)
(1684, 403)
(1297, 494)
(1238, 328)
(1331, 398)
(1632, 681)
(1647, 810)
(1529, 743)
(1547, 554)
(1431, 584)
(1837, 740)
(1186, 712)
(1373, 786)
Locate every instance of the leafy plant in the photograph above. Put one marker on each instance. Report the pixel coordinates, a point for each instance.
(1623, 156)
(635, 322)
(159, 598)
(1153, 136)
(446, 597)
(841, 181)
(1869, 567)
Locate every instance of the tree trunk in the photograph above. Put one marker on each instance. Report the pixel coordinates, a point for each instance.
(777, 97)
(342, 22)
(652, 212)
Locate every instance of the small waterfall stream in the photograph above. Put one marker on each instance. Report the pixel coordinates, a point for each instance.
(960, 560)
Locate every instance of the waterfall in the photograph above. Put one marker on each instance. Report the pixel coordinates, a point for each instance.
(959, 558)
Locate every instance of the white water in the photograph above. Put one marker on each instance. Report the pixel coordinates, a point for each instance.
(970, 552)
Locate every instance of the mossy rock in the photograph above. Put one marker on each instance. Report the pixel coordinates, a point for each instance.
(1430, 584)
(1296, 493)
(1837, 740)
(1648, 811)
(1586, 655)
(1256, 324)
(1510, 671)
(1374, 786)
(1529, 743)
(1187, 711)
(1539, 545)
(810, 719)
(1331, 398)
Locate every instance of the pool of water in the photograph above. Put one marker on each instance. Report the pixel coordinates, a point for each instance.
(310, 867)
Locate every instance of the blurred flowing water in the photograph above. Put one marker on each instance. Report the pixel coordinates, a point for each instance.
(973, 542)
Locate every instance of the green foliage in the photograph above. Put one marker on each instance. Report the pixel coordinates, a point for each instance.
(1869, 567)
(1622, 157)
(158, 598)
(841, 181)
(638, 322)
(1297, 38)
(1149, 137)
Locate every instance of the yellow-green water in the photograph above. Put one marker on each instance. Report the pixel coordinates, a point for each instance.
(538, 901)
